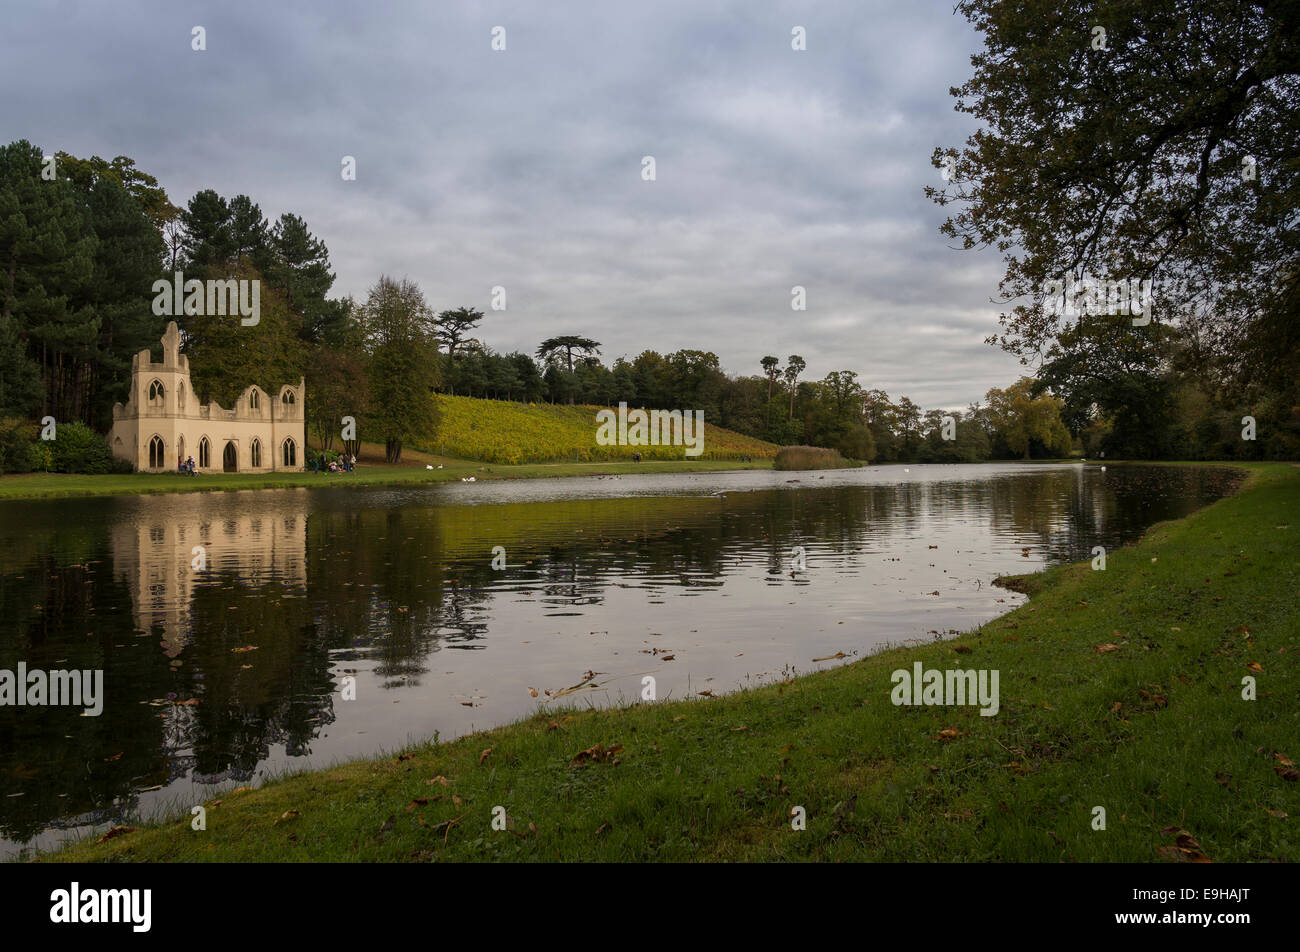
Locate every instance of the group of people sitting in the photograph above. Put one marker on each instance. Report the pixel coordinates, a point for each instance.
(186, 467)
(344, 464)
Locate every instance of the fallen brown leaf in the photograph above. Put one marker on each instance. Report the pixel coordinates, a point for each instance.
(117, 831)
(596, 754)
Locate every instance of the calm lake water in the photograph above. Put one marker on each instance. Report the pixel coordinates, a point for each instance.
(216, 677)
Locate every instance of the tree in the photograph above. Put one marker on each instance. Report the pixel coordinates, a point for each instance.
(140, 185)
(119, 293)
(453, 327)
(47, 250)
(338, 385)
(1105, 366)
(250, 236)
(300, 266)
(793, 368)
(1166, 154)
(551, 347)
(208, 241)
(398, 331)
(20, 377)
(226, 356)
(770, 370)
(1019, 418)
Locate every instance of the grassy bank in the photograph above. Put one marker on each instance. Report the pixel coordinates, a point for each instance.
(1119, 688)
(499, 431)
(371, 471)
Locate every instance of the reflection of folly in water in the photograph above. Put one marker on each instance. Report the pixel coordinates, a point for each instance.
(258, 536)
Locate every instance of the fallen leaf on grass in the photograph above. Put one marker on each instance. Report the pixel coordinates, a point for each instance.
(417, 802)
(401, 757)
(243, 649)
(533, 691)
(484, 756)
(1287, 773)
(286, 815)
(1276, 814)
(1102, 649)
(962, 649)
(117, 831)
(1187, 849)
(438, 779)
(117, 756)
(949, 733)
(707, 692)
(595, 754)
(1282, 759)
(1255, 666)
(832, 657)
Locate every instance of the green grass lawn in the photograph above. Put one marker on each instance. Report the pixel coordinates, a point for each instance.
(371, 471)
(1153, 729)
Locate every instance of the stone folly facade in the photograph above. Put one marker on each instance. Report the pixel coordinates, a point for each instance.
(163, 424)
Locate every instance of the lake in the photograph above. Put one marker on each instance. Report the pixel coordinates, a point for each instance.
(226, 624)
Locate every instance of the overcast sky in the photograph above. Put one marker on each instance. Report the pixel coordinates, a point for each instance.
(523, 168)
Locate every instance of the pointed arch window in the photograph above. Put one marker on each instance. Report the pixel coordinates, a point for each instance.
(252, 400)
(290, 453)
(287, 398)
(157, 453)
(157, 395)
(205, 453)
(256, 453)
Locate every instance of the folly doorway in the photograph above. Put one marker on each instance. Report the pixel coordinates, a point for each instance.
(230, 459)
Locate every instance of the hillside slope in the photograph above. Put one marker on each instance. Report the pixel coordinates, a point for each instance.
(497, 431)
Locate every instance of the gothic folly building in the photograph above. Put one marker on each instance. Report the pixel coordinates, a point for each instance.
(163, 424)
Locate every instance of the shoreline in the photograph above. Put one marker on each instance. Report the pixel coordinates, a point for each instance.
(39, 486)
(36, 486)
(1109, 680)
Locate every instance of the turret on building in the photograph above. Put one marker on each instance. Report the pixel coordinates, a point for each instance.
(162, 424)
